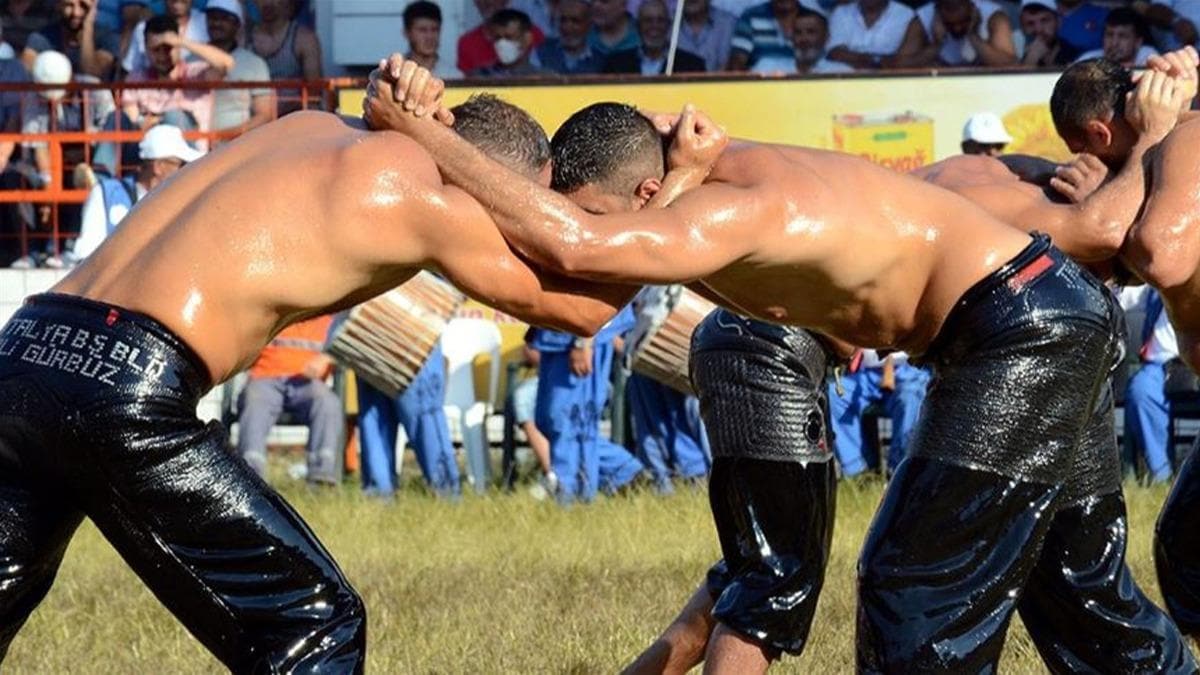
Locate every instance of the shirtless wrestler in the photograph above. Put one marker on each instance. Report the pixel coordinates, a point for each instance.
(762, 397)
(1110, 625)
(99, 378)
(1163, 248)
(777, 234)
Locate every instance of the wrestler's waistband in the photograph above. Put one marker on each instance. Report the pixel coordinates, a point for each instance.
(1062, 289)
(723, 329)
(109, 345)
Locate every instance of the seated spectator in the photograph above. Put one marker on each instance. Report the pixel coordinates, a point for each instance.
(289, 376)
(874, 34)
(15, 219)
(56, 110)
(763, 31)
(650, 58)
(423, 30)
(569, 53)
(184, 108)
(810, 35)
(1124, 40)
(163, 152)
(22, 18)
(984, 134)
(238, 110)
(189, 23)
(1147, 412)
(476, 47)
(291, 49)
(92, 49)
(890, 382)
(965, 33)
(707, 32)
(1043, 48)
(133, 13)
(420, 409)
(612, 29)
(1081, 25)
(513, 45)
(541, 13)
(1179, 18)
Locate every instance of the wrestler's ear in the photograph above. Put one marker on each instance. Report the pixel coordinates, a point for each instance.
(1098, 134)
(646, 190)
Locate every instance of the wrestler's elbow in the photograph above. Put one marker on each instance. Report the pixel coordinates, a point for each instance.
(1166, 272)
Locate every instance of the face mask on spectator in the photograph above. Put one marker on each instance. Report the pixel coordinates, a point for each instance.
(508, 51)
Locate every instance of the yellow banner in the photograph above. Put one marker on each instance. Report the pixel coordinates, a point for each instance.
(812, 112)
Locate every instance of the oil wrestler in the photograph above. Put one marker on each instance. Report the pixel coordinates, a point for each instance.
(99, 378)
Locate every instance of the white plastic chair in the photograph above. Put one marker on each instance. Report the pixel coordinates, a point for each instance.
(462, 341)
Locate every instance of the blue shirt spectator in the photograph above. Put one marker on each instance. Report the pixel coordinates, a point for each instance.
(67, 34)
(1082, 26)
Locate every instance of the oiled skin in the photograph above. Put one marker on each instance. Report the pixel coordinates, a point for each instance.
(304, 216)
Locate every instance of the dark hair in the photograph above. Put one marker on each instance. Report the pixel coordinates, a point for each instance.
(1086, 91)
(421, 9)
(161, 23)
(805, 12)
(506, 16)
(1124, 16)
(611, 144)
(504, 132)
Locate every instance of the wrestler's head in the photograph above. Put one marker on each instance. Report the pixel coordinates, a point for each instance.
(505, 133)
(1088, 106)
(608, 158)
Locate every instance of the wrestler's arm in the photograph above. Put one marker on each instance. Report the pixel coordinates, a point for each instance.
(1163, 246)
(462, 241)
(1088, 231)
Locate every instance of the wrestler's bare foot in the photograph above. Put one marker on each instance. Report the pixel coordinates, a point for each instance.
(731, 652)
(682, 644)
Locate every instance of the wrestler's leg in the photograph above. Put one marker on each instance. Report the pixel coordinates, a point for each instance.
(216, 545)
(38, 515)
(1177, 547)
(1081, 605)
(36, 523)
(682, 645)
(963, 520)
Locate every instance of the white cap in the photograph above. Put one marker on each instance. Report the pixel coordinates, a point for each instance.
(985, 127)
(1043, 4)
(163, 141)
(51, 67)
(232, 6)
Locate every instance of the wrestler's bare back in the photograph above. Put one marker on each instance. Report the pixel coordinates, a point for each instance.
(891, 254)
(301, 217)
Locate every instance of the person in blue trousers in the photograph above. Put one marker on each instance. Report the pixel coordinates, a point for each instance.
(420, 410)
(573, 388)
(866, 386)
(1147, 412)
(671, 441)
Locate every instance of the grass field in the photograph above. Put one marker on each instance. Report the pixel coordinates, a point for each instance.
(501, 584)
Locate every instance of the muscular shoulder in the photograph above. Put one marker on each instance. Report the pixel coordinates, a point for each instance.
(965, 170)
